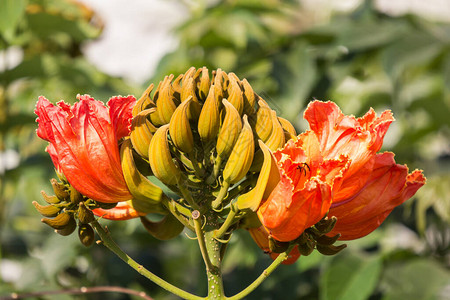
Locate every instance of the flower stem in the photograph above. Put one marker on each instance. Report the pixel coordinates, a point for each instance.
(282, 257)
(111, 245)
(214, 274)
(218, 233)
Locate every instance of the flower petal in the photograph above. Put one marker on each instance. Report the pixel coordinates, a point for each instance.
(388, 186)
(122, 211)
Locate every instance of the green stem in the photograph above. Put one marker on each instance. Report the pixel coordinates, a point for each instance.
(222, 194)
(214, 274)
(218, 233)
(201, 239)
(111, 245)
(179, 211)
(277, 262)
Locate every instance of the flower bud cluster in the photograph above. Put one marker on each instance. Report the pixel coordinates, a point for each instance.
(67, 206)
(199, 134)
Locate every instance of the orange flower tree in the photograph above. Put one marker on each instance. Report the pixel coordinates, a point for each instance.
(233, 164)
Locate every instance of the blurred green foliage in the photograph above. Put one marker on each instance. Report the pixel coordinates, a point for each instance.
(358, 59)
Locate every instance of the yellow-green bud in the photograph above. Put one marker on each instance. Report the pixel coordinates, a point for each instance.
(180, 129)
(209, 120)
(142, 131)
(86, 234)
(47, 210)
(241, 157)
(229, 131)
(160, 158)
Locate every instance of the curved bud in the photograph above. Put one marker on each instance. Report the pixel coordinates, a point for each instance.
(229, 132)
(146, 195)
(189, 91)
(86, 234)
(235, 95)
(85, 215)
(144, 102)
(221, 82)
(69, 228)
(142, 132)
(209, 120)
(180, 129)
(75, 196)
(47, 210)
(204, 85)
(287, 126)
(267, 180)
(166, 104)
(166, 229)
(160, 158)
(60, 190)
(261, 122)
(241, 157)
(249, 98)
(58, 222)
(50, 199)
(276, 139)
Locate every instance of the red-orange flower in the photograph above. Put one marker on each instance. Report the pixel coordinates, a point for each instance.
(84, 143)
(304, 192)
(122, 211)
(374, 184)
(332, 168)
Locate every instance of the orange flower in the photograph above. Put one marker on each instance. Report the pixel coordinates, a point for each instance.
(84, 143)
(303, 193)
(374, 184)
(333, 168)
(122, 211)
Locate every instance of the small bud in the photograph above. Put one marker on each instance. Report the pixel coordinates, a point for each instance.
(86, 234)
(249, 98)
(203, 89)
(146, 195)
(262, 121)
(160, 158)
(75, 196)
(241, 156)
(59, 222)
(330, 249)
(142, 132)
(60, 190)
(276, 138)
(189, 91)
(277, 246)
(166, 103)
(85, 215)
(180, 129)
(209, 120)
(47, 210)
(50, 199)
(144, 102)
(69, 228)
(229, 131)
(235, 95)
(168, 228)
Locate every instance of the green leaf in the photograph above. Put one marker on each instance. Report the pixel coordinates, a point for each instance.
(10, 14)
(350, 276)
(420, 279)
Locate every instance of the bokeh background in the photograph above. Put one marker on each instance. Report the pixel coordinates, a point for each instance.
(381, 54)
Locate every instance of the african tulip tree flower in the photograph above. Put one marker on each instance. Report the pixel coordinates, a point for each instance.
(84, 143)
(334, 169)
(374, 184)
(304, 193)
